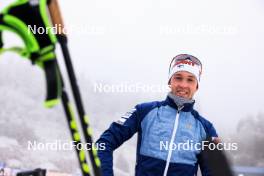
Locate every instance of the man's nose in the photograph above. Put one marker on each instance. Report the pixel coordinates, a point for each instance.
(183, 84)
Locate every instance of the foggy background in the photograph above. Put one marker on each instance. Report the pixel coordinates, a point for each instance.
(132, 42)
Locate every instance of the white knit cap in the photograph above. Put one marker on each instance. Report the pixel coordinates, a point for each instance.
(186, 62)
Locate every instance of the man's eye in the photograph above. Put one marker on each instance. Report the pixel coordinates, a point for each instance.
(190, 80)
(178, 78)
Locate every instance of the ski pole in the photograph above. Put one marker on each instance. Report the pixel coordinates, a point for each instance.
(72, 124)
(75, 134)
(62, 38)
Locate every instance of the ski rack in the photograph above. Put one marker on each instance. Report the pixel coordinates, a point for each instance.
(4, 171)
(36, 172)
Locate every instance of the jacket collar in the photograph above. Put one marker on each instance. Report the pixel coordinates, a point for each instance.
(186, 108)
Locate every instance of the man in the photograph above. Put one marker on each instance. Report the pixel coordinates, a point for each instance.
(162, 125)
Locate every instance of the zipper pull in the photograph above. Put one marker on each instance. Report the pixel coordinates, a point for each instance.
(180, 108)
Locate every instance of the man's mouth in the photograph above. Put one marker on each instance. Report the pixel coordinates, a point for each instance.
(182, 93)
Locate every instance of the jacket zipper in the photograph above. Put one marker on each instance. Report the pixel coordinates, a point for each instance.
(176, 122)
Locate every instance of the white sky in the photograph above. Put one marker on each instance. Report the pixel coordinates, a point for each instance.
(135, 40)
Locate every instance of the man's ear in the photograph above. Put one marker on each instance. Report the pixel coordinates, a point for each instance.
(169, 83)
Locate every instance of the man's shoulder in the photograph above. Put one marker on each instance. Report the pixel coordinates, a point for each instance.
(146, 107)
(150, 104)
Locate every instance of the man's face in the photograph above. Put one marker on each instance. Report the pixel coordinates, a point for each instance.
(183, 84)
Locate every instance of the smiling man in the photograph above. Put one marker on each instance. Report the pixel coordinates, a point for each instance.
(163, 127)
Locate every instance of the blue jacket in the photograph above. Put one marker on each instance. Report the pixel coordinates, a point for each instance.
(160, 125)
